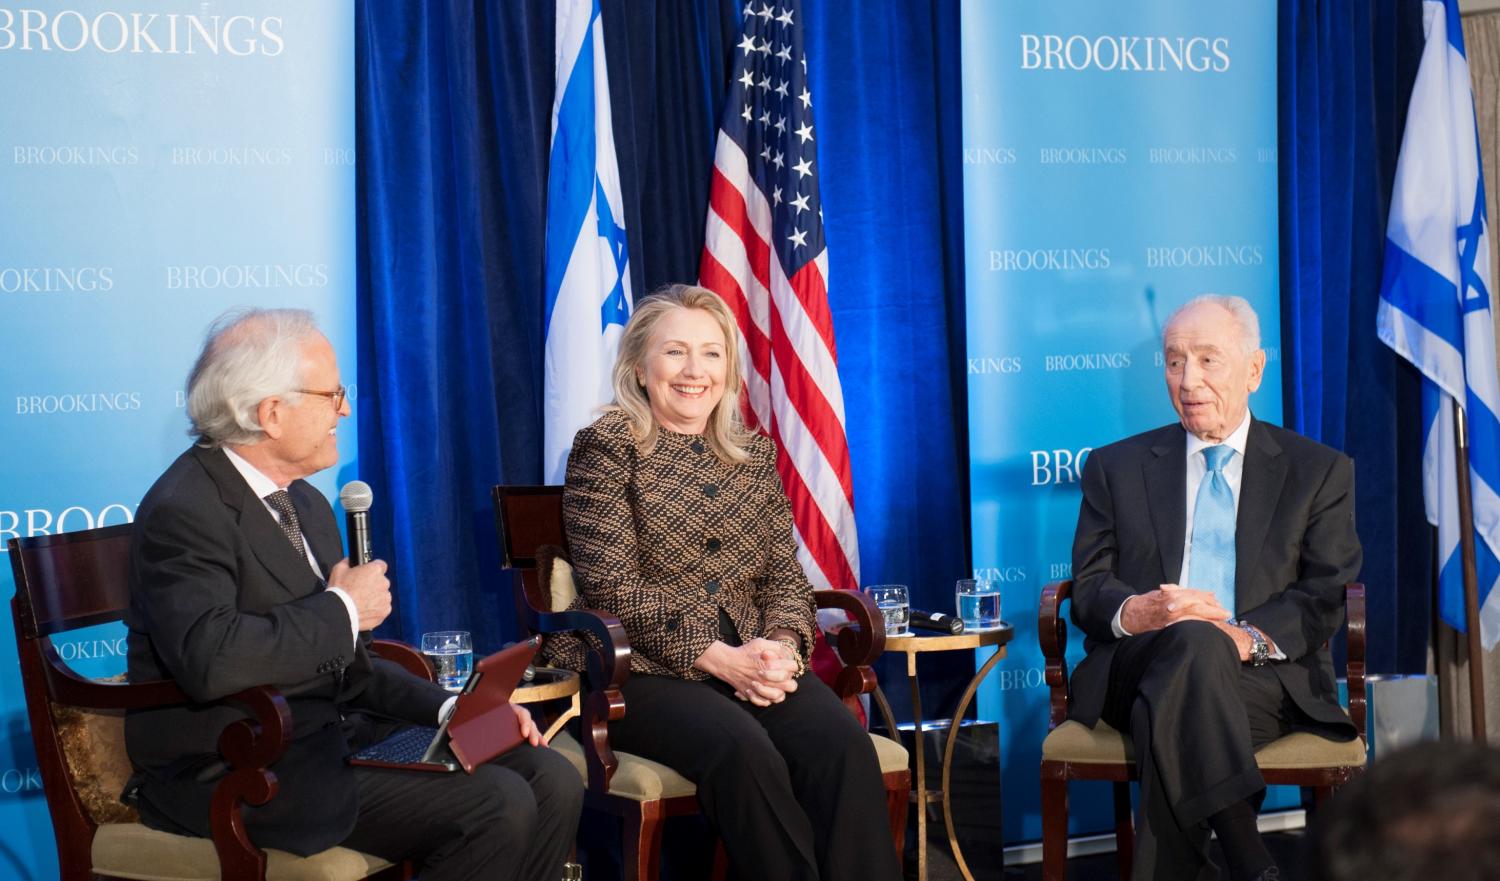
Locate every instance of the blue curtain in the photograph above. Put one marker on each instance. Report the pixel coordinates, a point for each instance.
(1346, 70)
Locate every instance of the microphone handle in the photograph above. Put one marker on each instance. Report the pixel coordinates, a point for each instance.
(937, 621)
(359, 538)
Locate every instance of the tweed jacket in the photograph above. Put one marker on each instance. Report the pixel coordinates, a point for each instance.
(666, 540)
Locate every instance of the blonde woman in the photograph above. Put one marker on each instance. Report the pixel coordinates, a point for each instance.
(678, 525)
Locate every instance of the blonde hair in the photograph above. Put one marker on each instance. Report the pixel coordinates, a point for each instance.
(726, 433)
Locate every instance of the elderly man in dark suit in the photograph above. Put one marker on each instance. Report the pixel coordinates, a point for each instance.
(1209, 565)
(237, 580)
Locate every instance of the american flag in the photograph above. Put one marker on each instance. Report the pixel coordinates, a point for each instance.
(765, 255)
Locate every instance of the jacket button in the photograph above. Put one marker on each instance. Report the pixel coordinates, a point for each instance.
(697, 446)
(713, 545)
(710, 490)
(711, 588)
(672, 624)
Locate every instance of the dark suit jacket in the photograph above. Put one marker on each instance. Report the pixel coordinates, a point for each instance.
(221, 601)
(1295, 549)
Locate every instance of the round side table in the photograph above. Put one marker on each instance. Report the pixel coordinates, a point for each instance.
(911, 644)
(550, 683)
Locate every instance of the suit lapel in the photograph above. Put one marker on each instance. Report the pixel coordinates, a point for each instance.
(1260, 488)
(265, 537)
(1166, 475)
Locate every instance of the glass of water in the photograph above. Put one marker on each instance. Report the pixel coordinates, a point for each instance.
(978, 601)
(452, 656)
(894, 606)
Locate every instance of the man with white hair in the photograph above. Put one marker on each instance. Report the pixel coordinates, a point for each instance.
(1209, 565)
(237, 580)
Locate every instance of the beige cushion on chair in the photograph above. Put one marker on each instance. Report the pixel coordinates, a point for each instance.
(635, 778)
(560, 583)
(892, 755)
(1072, 742)
(130, 850)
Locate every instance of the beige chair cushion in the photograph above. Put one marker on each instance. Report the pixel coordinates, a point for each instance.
(130, 850)
(892, 755)
(1075, 743)
(559, 574)
(636, 778)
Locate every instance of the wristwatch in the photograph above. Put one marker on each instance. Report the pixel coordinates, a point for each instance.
(1260, 650)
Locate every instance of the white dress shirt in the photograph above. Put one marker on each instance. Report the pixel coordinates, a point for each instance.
(263, 486)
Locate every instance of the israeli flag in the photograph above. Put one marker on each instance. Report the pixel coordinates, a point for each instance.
(1435, 307)
(588, 275)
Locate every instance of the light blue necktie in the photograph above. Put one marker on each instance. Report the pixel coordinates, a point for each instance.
(1212, 564)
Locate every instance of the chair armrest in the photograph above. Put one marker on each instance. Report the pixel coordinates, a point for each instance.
(404, 656)
(1052, 633)
(1354, 610)
(608, 666)
(857, 644)
(249, 746)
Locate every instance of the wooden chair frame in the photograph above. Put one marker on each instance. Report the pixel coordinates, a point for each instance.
(1052, 631)
(73, 580)
(529, 518)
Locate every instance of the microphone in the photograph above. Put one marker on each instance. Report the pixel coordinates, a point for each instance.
(937, 621)
(356, 497)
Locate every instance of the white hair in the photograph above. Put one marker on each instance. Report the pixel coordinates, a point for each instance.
(1238, 308)
(248, 355)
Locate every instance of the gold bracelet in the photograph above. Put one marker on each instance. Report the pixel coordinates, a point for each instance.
(791, 646)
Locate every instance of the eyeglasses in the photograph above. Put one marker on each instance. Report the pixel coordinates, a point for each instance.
(338, 395)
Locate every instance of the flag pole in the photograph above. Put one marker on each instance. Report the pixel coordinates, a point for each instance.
(1471, 577)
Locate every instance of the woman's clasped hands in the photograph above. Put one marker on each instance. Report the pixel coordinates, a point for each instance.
(762, 671)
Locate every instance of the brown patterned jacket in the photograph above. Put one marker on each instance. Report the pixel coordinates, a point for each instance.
(666, 540)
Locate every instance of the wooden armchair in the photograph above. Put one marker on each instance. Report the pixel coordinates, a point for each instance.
(643, 793)
(1075, 752)
(64, 582)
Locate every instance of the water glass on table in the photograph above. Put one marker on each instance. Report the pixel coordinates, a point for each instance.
(452, 656)
(894, 606)
(978, 601)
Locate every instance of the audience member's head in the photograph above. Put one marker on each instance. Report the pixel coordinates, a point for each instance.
(1429, 812)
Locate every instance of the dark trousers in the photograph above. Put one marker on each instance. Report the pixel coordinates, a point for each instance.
(1195, 714)
(514, 819)
(794, 789)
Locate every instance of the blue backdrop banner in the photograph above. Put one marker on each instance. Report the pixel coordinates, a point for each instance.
(161, 162)
(1118, 160)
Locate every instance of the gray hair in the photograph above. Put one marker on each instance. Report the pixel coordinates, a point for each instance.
(248, 355)
(1238, 308)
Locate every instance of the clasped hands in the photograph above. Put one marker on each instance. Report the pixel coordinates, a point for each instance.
(762, 671)
(1172, 604)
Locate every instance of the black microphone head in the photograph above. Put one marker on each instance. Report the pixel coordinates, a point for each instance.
(356, 496)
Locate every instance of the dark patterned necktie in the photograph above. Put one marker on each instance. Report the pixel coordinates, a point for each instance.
(281, 502)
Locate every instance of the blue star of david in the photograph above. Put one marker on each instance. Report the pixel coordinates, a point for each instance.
(1475, 294)
(616, 309)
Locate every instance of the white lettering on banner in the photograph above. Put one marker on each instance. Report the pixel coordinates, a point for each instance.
(268, 275)
(73, 154)
(90, 402)
(1083, 156)
(55, 279)
(1192, 155)
(1195, 256)
(41, 521)
(17, 780)
(1095, 361)
(110, 32)
(1265, 154)
(179, 399)
(1026, 677)
(232, 156)
(989, 155)
(1126, 54)
(338, 155)
(1049, 467)
(1048, 259)
(1004, 364)
(1058, 571)
(1002, 574)
(90, 649)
